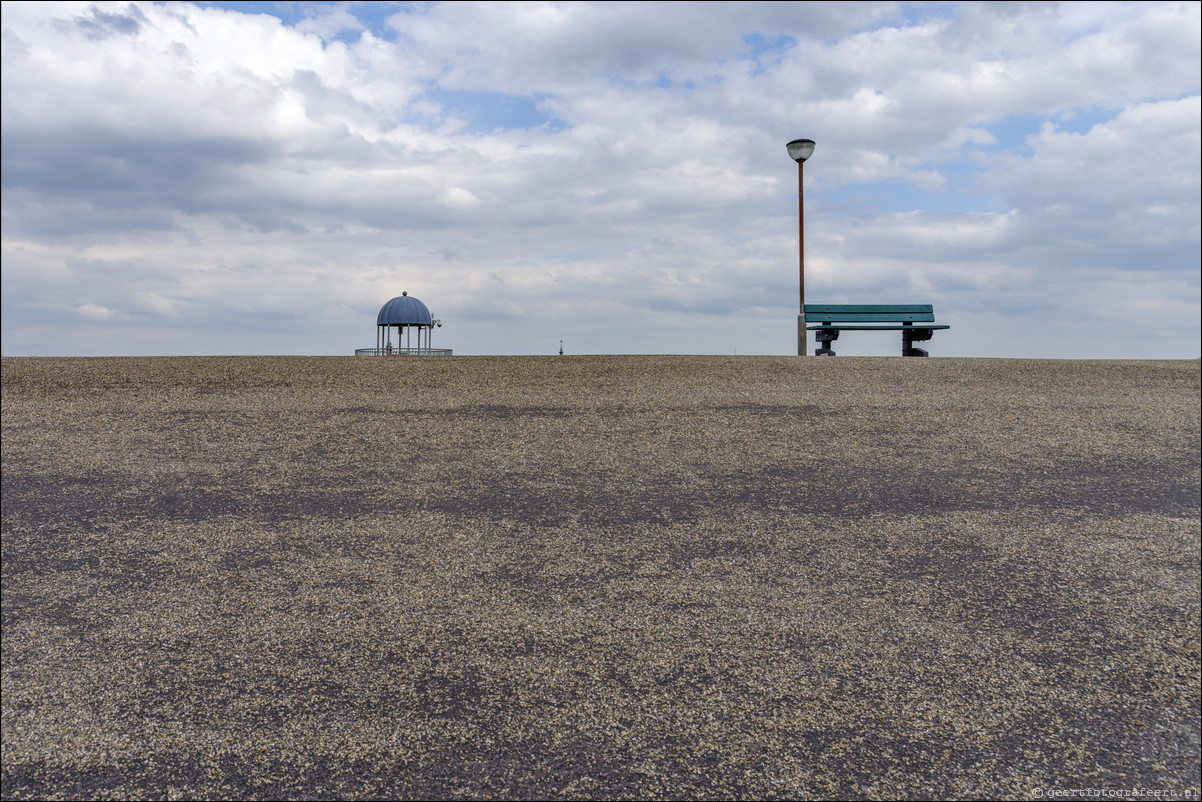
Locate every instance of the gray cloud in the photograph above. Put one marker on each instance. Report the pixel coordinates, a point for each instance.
(98, 25)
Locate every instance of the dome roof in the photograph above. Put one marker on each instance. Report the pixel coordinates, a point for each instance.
(404, 311)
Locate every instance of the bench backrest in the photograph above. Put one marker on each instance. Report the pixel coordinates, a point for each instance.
(871, 313)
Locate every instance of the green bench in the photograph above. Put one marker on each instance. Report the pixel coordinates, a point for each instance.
(914, 321)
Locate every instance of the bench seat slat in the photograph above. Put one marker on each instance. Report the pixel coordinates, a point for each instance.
(874, 318)
(917, 327)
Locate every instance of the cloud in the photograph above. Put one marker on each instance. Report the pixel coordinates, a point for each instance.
(1124, 194)
(610, 168)
(328, 21)
(100, 25)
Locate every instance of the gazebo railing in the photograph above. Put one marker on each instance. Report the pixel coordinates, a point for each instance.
(395, 351)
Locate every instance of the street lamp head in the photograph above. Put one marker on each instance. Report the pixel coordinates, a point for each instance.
(800, 149)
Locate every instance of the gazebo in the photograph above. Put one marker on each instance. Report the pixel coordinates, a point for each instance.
(405, 314)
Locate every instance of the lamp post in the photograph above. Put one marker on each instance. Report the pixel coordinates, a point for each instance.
(799, 151)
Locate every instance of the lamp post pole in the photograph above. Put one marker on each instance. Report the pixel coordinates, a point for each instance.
(799, 151)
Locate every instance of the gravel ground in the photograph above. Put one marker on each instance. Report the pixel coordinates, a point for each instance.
(582, 577)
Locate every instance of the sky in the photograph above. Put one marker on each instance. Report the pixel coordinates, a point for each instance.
(260, 178)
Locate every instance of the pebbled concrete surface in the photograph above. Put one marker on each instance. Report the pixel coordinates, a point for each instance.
(597, 577)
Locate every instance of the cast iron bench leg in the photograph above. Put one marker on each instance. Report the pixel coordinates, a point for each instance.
(825, 337)
(908, 338)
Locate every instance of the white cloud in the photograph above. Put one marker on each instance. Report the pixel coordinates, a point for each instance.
(1143, 152)
(328, 21)
(97, 312)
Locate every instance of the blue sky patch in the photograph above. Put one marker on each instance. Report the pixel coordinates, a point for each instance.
(489, 111)
(1011, 132)
(961, 192)
(909, 14)
(764, 51)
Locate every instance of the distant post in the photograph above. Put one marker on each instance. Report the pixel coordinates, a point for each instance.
(799, 151)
